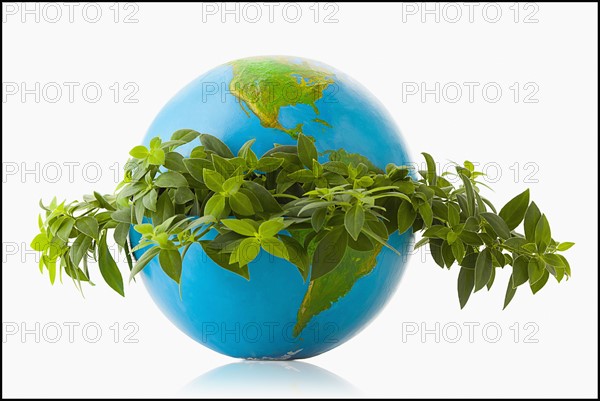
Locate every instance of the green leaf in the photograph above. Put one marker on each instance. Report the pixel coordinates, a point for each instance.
(245, 150)
(149, 200)
(514, 211)
(196, 168)
(89, 226)
(155, 143)
(363, 243)
(185, 135)
(148, 255)
(65, 228)
(426, 213)
(542, 234)
(103, 202)
(213, 180)
(553, 260)
(491, 280)
(222, 259)
(566, 264)
(406, 216)
(268, 164)
(336, 167)
(377, 230)
(317, 219)
(301, 176)
(437, 231)
(79, 248)
(122, 215)
(431, 171)
(156, 157)
(472, 224)
(121, 234)
(216, 145)
(458, 250)
(470, 238)
(498, 225)
(529, 247)
(421, 242)
(510, 293)
(51, 266)
(244, 227)
(366, 181)
(198, 153)
(466, 282)
(515, 243)
(40, 242)
(296, 254)
(498, 257)
(451, 237)
(539, 284)
(241, 204)
(354, 220)
(108, 268)
(184, 195)
(215, 206)
(144, 228)
(520, 273)
(275, 247)
(453, 214)
(447, 254)
(483, 269)
(329, 252)
(532, 217)
(170, 179)
(139, 210)
(563, 246)
(139, 152)
(164, 209)
(170, 261)
(435, 247)
(470, 193)
(267, 201)
(535, 270)
(223, 166)
(233, 184)
(247, 251)
(307, 152)
(271, 227)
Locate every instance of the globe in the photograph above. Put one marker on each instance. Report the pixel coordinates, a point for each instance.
(276, 314)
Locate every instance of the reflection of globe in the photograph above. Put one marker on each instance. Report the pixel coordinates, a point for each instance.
(275, 315)
(258, 379)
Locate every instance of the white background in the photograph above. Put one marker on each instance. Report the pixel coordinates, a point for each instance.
(388, 48)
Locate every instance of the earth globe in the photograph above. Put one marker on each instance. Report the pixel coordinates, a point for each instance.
(276, 314)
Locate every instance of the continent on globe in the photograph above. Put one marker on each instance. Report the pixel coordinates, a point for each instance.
(265, 85)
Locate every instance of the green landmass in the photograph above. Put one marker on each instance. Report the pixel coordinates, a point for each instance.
(323, 292)
(325, 123)
(265, 85)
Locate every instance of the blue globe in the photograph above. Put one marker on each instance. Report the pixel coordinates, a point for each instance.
(276, 315)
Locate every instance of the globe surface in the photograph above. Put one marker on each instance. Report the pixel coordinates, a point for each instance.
(276, 314)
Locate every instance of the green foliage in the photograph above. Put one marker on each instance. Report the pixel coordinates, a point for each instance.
(330, 219)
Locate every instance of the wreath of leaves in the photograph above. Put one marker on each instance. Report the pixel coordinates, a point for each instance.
(294, 207)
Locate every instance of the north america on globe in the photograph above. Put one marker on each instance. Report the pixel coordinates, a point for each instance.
(265, 85)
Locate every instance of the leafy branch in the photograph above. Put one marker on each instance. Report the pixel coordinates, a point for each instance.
(294, 207)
